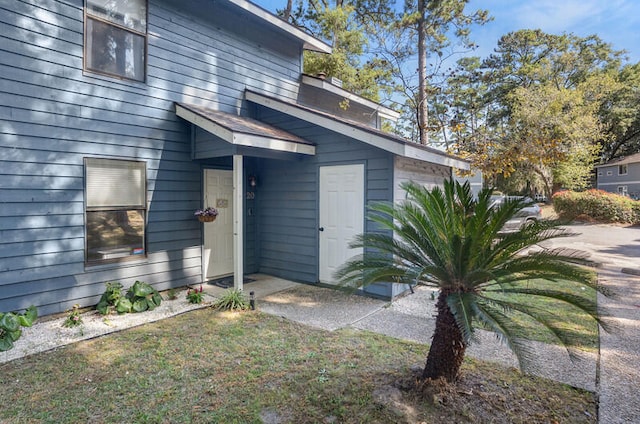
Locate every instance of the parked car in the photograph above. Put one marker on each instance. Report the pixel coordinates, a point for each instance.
(540, 198)
(526, 215)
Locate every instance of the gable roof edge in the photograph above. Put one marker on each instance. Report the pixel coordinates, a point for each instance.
(634, 158)
(374, 137)
(309, 42)
(383, 111)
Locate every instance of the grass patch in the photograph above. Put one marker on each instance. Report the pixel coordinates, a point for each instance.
(581, 327)
(224, 367)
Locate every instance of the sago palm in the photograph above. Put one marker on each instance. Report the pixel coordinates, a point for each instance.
(447, 239)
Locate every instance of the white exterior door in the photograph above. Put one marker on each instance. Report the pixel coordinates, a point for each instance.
(341, 216)
(218, 235)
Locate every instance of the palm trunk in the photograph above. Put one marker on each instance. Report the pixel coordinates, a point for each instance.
(447, 347)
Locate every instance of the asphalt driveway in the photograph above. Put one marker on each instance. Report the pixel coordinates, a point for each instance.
(610, 246)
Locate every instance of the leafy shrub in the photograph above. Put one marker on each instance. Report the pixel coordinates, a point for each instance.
(140, 297)
(143, 297)
(597, 205)
(232, 299)
(10, 323)
(112, 298)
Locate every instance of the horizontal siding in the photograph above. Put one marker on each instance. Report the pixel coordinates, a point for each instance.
(58, 293)
(427, 175)
(611, 182)
(288, 198)
(53, 115)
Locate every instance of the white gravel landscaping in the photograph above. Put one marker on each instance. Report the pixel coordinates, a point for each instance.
(48, 333)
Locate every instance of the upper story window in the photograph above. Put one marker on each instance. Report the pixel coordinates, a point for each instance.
(116, 37)
(622, 169)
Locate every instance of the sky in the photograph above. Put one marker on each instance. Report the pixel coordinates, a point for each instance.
(615, 21)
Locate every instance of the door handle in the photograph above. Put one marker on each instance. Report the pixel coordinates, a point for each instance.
(321, 229)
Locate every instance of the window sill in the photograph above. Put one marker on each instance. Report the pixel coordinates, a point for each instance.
(121, 262)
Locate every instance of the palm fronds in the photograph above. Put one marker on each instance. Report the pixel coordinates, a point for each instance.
(447, 239)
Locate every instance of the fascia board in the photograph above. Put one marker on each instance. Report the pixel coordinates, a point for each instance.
(328, 123)
(309, 42)
(382, 110)
(242, 139)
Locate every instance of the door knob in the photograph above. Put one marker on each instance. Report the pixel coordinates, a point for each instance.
(321, 229)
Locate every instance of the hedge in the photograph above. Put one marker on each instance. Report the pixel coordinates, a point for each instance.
(596, 205)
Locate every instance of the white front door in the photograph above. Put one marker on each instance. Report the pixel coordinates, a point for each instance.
(341, 216)
(218, 235)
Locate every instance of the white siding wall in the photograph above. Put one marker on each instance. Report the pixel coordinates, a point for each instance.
(426, 174)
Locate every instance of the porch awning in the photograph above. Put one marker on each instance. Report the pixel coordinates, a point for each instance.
(242, 131)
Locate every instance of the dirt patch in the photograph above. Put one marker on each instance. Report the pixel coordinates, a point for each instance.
(497, 396)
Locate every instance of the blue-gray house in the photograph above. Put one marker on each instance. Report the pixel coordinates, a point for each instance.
(120, 118)
(621, 176)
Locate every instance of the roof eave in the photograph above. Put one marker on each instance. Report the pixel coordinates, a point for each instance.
(395, 147)
(308, 42)
(243, 139)
(382, 110)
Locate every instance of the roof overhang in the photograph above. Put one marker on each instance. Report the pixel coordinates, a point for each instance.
(374, 137)
(625, 160)
(383, 111)
(241, 131)
(309, 42)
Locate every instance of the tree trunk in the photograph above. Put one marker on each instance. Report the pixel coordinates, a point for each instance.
(286, 13)
(548, 187)
(423, 133)
(447, 347)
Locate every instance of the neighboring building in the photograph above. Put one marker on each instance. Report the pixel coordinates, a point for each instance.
(621, 176)
(475, 181)
(119, 119)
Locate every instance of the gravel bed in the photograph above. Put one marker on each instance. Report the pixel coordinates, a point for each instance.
(47, 334)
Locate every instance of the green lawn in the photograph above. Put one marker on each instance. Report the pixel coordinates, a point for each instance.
(583, 329)
(221, 367)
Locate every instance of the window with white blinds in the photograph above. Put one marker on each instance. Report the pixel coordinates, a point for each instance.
(115, 183)
(115, 193)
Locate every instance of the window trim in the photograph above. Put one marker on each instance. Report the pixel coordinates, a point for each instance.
(144, 207)
(623, 190)
(145, 36)
(626, 169)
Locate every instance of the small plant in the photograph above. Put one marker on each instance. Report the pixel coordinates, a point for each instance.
(232, 299)
(143, 297)
(73, 319)
(195, 295)
(171, 294)
(206, 212)
(112, 298)
(10, 323)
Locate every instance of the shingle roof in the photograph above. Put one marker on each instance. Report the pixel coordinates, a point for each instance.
(635, 158)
